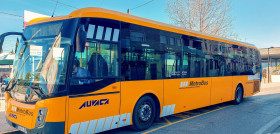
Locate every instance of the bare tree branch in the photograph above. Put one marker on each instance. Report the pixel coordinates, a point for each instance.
(208, 16)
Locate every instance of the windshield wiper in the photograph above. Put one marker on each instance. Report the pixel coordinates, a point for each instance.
(18, 73)
(42, 96)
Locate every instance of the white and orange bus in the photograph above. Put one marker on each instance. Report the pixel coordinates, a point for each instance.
(96, 70)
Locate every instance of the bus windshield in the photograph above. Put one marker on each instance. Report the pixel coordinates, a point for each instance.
(40, 63)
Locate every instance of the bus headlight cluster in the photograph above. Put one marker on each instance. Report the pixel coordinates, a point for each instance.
(41, 116)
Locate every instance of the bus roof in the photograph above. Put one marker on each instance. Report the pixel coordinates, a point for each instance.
(114, 15)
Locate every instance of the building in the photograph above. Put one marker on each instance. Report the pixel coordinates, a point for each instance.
(271, 64)
(6, 64)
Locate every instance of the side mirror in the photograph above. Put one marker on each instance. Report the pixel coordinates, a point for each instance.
(2, 38)
(81, 39)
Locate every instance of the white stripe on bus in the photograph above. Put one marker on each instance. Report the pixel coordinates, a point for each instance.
(91, 126)
(167, 110)
(99, 126)
(163, 111)
(83, 127)
(121, 122)
(115, 122)
(107, 124)
(74, 128)
(172, 109)
(127, 122)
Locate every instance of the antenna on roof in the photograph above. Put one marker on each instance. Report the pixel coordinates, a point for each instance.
(55, 8)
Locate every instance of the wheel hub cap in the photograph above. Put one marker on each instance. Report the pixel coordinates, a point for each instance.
(145, 112)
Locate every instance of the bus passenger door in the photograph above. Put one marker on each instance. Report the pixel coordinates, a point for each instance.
(94, 102)
(182, 92)
(221, 90)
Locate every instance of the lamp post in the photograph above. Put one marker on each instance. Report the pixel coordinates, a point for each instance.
(268, 63)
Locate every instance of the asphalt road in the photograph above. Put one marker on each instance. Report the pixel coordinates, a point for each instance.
(4, 127)
(257, 114)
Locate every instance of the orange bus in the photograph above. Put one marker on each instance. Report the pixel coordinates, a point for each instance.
(96, 70)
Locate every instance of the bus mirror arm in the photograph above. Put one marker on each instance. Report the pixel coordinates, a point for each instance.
(2, 38)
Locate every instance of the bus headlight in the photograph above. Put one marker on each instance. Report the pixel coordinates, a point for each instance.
(41, 116)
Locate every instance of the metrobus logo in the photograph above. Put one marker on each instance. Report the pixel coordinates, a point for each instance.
(22, 111)
(94, 103)
(14, 108)
(192, 84)
(184, 84)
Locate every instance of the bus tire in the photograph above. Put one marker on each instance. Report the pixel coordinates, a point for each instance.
(238, 95)
(144, 113)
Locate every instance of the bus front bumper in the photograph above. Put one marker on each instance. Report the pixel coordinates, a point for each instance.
(48, 128)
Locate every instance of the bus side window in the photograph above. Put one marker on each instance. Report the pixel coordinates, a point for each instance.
(142, 56)
(99, 67)
(99, 63)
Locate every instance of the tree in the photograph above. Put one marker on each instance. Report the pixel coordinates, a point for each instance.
(207, 16)
(28, 76)
(12, 52)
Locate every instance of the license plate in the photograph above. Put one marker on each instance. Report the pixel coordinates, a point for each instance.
(23, 129)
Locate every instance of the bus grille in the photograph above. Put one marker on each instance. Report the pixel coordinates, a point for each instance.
(256, 86)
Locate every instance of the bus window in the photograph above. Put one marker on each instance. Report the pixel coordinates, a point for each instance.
(173, 64)
(137, 36)
(99, 33)
(163, 39)
(98, 66)
(141, 54)
(171, 41)
(108, 34)
(194, 59)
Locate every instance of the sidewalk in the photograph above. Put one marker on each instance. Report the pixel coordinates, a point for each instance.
(270, 85)
(2, 105)
(2, 102)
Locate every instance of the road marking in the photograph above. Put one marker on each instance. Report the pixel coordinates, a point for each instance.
(268, 125)
(9, 131)
(184, 120)
(204, 110)
(160, 123)
(217, 106)
(180, 116)
(166, 120)
(187, 112)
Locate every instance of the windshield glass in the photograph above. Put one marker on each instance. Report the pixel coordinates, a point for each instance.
(41, 61)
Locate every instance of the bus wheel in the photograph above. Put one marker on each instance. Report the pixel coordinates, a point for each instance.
(144, 113)
(238, 95)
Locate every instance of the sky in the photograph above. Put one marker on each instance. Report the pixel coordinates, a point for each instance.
(255, 21)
